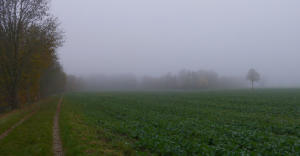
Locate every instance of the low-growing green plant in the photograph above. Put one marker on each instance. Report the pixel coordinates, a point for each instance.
(197, 123)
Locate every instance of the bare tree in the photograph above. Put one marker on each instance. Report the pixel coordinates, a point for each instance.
(253, 76)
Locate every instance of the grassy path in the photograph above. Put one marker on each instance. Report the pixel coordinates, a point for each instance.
(9, 119)
(16, 125)
(34, 136)
(57, 145)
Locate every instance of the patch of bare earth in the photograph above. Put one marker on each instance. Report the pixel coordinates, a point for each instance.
(57, 145)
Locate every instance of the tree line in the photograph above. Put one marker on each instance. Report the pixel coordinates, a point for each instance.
(189, 80)
(183, 80)
(29, 38)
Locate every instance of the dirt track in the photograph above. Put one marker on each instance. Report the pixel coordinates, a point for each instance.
(57, 145)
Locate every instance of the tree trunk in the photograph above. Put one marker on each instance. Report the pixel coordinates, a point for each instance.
(13, 98)
(252, 85)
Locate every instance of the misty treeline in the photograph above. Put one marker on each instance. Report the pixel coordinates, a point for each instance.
(29, 37)
(183, 80)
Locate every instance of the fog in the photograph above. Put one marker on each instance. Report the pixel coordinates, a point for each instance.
(154, 37)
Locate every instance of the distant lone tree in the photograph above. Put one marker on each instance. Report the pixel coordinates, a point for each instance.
(253, 76)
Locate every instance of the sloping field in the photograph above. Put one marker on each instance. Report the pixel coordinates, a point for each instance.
(182, 123)
(159, 123)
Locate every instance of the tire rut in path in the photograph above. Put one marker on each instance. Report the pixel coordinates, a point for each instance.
(3, 135)
(57, 145)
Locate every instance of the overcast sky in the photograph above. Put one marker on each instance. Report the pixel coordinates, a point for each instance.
(158, 36)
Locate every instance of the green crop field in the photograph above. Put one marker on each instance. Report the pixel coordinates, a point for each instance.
(182, 123)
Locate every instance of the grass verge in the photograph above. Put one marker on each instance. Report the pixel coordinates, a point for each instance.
(81, 137)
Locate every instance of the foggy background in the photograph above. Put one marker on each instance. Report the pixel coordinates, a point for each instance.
(154, 37)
